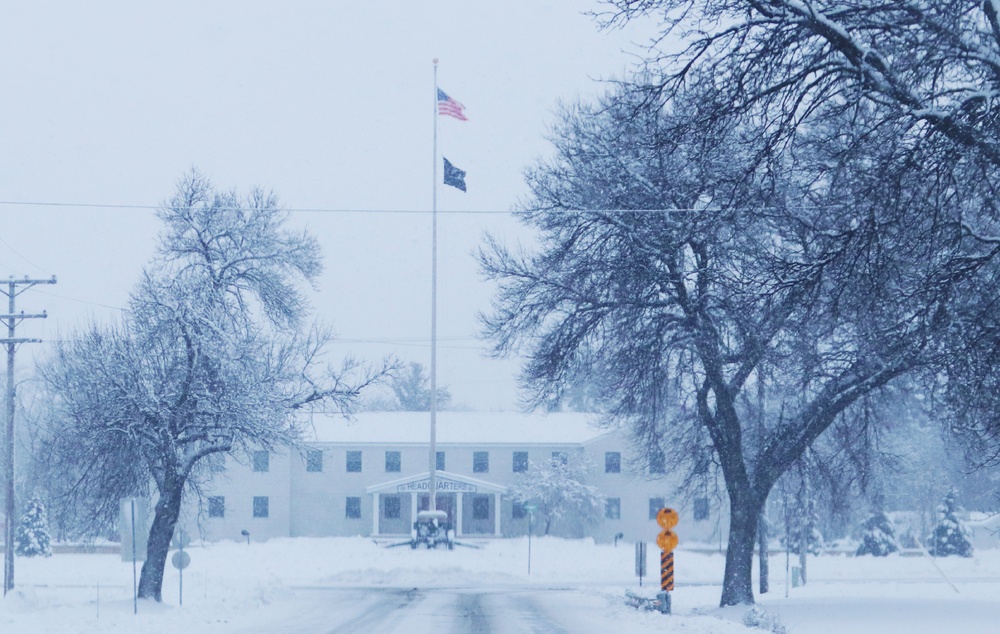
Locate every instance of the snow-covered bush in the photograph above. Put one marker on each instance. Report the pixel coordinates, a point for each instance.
(32, 536)
(759, 618)
(879, 538)
(951, 536)
(558, 491)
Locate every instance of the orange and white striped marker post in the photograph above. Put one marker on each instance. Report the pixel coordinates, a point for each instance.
(667, 540)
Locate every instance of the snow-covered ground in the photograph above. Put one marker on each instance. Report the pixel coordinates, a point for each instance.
(236, 587)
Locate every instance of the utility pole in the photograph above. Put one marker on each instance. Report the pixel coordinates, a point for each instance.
(12, 319)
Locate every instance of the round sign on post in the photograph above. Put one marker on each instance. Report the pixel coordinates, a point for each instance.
(667, 518)
(667, 540)
(181, 560)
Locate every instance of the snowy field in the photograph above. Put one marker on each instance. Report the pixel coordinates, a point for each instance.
(307, 584)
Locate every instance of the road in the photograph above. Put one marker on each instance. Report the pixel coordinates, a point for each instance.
(439, 611)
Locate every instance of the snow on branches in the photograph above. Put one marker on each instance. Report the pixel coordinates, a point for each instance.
(557, 487)
(211, 357)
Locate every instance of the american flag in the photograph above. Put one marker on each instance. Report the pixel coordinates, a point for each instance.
(449, 107)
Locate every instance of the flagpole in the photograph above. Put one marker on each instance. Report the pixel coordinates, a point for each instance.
(432, 458)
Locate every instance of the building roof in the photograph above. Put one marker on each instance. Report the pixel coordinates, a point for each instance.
(457, 428)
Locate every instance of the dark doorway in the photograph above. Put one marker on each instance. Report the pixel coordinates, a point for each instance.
(443, 501)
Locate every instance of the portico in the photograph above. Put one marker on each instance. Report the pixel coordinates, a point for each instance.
(473, 505)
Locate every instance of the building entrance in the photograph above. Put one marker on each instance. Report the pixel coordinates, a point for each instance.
(472, 505)
(442, 502)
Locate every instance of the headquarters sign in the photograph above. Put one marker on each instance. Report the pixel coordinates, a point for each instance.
(442, 485)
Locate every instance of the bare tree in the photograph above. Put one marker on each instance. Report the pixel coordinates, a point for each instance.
(930, 66)
(728, 285)
(925, 74)
(412, 391)
(209, 358)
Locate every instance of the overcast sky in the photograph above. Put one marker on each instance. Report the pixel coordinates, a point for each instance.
(328, 103)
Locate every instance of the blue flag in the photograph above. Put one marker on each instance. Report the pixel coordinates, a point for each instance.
(453, 176)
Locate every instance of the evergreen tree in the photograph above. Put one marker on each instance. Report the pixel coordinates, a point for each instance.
(880, 536)
(802, 534)
(32, 538)
(950, 536)
(805, 529)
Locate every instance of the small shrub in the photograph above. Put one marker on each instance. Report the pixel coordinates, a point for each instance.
(879, 538)
(759, 618)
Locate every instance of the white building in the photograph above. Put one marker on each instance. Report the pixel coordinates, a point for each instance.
(367, 477)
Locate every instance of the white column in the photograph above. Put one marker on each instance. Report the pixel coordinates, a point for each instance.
(413, 509)
(458, 513)
(375, 530)
(496, 515)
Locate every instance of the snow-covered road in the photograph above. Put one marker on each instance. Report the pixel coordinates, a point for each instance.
(500, 610)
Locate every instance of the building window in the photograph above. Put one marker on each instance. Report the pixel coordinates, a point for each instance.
(217, 506)
(655, 504)
(260, 506)
(393, 462)
(520, 461)
(657, 463)
(261, 461)
(612, 462)
(354, 462)
(560, 456)
(517, 511)
(481, 507)
(392, 507)
(480, 462)
(613, 508)
(314, 460)
(353, 510)
(701, 508)
(440, 461)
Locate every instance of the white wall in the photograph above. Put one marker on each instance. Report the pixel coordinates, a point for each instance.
(304, 503)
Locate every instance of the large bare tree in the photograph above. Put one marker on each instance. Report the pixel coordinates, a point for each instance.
(740, 296)
(923, 78)
(210, 358)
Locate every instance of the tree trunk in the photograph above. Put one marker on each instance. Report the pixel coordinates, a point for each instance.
(737, 584)
(803, 550)
(763, 554)
(548, 523)
(168, 510)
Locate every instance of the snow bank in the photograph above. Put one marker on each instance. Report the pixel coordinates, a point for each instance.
(232, 583)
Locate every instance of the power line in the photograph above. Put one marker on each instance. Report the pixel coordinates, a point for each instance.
(318, 210)
(453, 212)
(77, 299)
(415, 342)
(19, 254)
